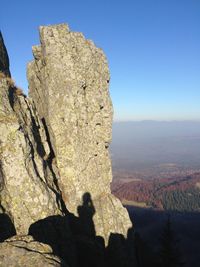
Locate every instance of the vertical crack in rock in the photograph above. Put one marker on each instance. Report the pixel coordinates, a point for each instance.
(27, 182)
(68, 82)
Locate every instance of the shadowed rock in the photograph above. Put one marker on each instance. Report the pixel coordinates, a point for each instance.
(4, 60)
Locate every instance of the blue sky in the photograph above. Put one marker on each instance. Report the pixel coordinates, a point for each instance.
(153, 49)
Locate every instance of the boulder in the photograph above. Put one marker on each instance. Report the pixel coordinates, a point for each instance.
(23, 251)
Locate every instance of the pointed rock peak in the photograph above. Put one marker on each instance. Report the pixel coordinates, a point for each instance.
(58, 27)
(4, 60)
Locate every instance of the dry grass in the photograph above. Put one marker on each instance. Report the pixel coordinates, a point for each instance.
(2, 75)
(17, 90)
(10, 82)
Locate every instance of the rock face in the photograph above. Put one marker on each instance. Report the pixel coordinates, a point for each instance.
(27, 190)
(23, 251)
(55, 169)
(68, 82)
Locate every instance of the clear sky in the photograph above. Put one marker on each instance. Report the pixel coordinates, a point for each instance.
(153, 49)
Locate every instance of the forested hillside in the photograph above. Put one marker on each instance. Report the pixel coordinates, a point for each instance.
(180, 194)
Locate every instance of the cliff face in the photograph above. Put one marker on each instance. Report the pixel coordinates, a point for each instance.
(28, 192)
(68, 82)
(54, 160)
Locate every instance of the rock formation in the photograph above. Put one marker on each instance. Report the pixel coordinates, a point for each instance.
(68, 82)
(27, 190)
(23, 251)
(55, 170)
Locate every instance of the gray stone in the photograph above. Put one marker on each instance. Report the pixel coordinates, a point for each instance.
(68, 82)
(23, 251)
(28, 192)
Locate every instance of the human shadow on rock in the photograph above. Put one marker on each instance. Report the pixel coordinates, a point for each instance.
(90, 248)
(74, 239)
(55, 231)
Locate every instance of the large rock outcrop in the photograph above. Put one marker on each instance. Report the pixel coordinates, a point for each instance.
(55, 169)
(68, 82)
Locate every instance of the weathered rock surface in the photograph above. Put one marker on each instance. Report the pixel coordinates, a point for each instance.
(23, 251)
(27, 189)
(68, 82)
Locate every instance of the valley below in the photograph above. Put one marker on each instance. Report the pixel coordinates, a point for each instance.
(156, 175)
(153, 195)
(170, 190)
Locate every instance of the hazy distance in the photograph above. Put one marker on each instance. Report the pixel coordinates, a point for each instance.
(139, 145)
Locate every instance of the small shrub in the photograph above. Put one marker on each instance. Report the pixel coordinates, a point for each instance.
(16, 90)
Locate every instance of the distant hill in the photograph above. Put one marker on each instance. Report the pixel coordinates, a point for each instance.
(139, 145)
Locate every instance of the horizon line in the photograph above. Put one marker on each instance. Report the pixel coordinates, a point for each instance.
(152, 120)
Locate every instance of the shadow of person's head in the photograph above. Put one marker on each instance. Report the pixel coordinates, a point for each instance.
(87, 208)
